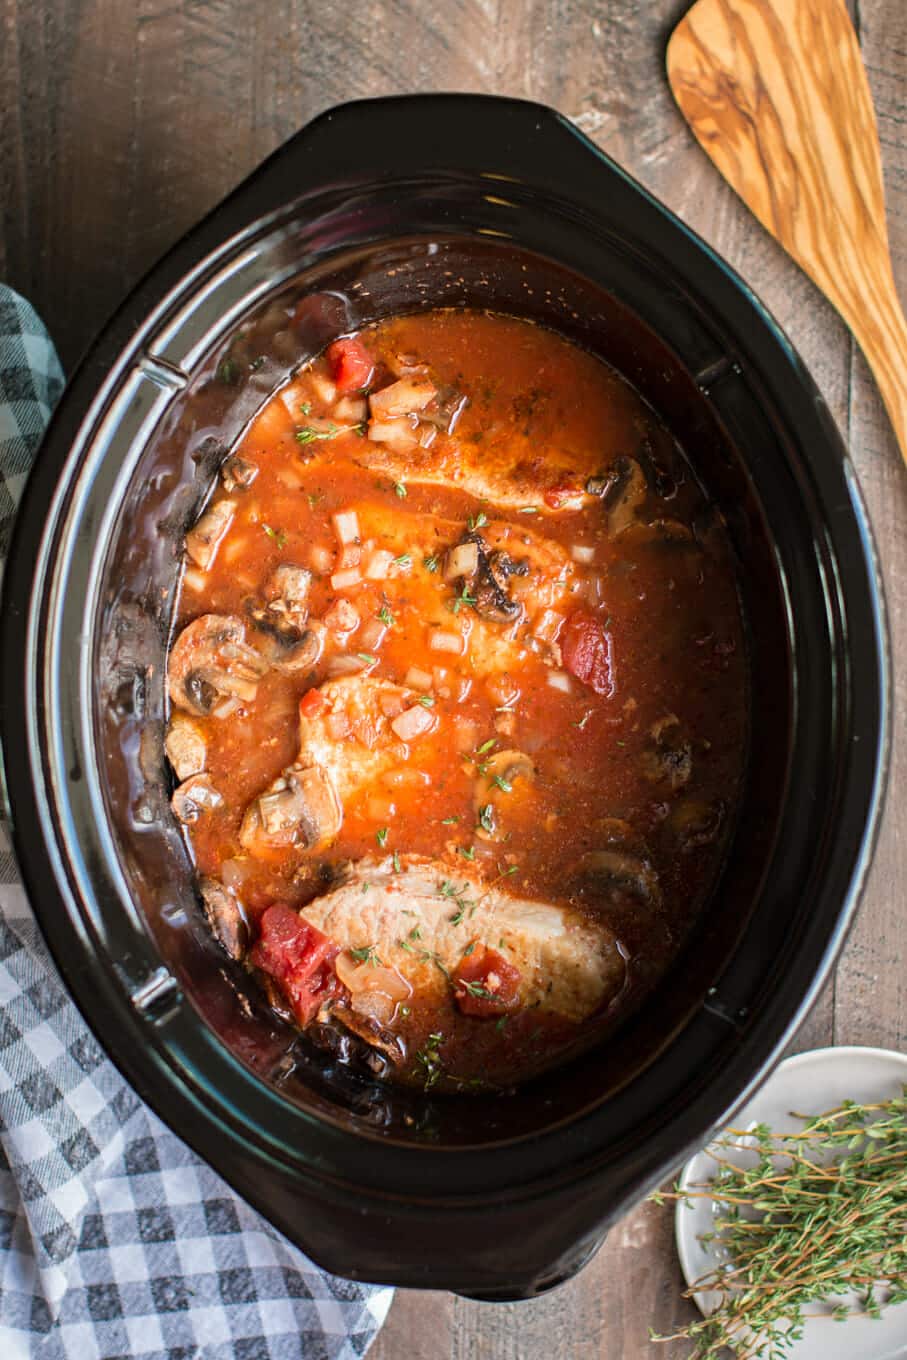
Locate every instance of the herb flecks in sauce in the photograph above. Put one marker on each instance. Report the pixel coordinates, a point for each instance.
(359, 711)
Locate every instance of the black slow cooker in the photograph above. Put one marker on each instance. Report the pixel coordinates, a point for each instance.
(380, 207)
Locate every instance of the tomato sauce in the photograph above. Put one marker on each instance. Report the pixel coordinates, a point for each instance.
(512, 650)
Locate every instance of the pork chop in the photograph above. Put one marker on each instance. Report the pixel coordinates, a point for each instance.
(421, 920)
(343, 747)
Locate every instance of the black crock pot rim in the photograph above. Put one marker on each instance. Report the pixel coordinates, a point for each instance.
(86, 395)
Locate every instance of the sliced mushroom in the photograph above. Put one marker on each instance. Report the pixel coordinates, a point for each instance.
(625, 495)
(186, 747)
(212, 669)
(444, 413)
(668, 759)
(226, 917)
(284, 614)
(621, 865)
(289, 585)
(484, 575)
(371, 1032)
(668, 532)
(194, 797)
(299, 810)
(203, 541)
(238, 473)
(304, 653)
(620, 869)
(696, 822)
(282, 627)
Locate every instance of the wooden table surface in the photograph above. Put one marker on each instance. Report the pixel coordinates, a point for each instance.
(122, 121)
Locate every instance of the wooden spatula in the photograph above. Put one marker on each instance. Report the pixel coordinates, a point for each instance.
(776, 93)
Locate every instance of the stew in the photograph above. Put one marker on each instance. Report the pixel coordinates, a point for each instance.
(458, 698)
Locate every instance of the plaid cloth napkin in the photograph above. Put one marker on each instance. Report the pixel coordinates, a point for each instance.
(115, 1239)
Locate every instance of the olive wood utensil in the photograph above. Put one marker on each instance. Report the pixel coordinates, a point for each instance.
(776, 93)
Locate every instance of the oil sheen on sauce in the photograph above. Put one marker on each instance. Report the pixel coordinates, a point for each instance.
(458, 698)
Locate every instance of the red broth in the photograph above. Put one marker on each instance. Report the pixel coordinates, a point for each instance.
(489, 739)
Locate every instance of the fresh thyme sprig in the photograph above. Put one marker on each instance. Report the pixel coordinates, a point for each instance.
(821, 1213)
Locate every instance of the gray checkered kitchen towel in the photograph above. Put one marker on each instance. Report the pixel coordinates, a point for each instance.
(115, 1239)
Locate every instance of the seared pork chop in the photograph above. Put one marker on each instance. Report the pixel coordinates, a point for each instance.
(422, 920)
(344, 745)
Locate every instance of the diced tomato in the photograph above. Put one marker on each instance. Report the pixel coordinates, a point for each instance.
(351, 365)
(312, 703)
(586, 649)
(485, 983)
(557, 496)
(298, 957)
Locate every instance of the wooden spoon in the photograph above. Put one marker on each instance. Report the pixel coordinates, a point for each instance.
(776, 93)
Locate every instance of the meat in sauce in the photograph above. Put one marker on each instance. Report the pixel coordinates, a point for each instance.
(458, 697)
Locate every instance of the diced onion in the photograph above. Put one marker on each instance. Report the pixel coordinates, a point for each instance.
(414, 722)
(466, 734)
(346, 526)
(322, 386)
(342, 580)
(376, 990)
(371, 635)
(351, 410)
(402, 397)
(344, 664)
(342, 617)
(441, 641)
(293, 398)
(399, 434)
(417, 679)
(560, 680)
(463, 560)
(350, 556)
(321, 559)
(378, 566)
(582, 552)
(290, 476)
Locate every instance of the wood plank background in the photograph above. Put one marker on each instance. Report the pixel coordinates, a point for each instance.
(122, 121)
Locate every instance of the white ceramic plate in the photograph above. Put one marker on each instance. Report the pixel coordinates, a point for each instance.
(808, 1083)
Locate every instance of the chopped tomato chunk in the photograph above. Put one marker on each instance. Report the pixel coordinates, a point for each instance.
(312, 703)
(586, 649)
(298, 957)
(485, 983)
(351, 365)
(557, 496)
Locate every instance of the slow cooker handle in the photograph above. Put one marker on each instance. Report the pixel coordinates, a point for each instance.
(503, 139)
